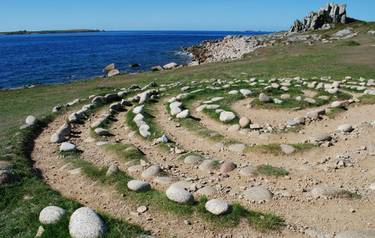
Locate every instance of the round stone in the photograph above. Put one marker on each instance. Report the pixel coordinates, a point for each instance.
(238, 148)
(113, 169)
(51, 215)
(227, 166)
(85, 223)
(163, 180)
(151, 171)
(345, 128)
(247, 171)
(138, 186)
(326, 191)
(183, 114)
(245, 92)
(322, 137)
(179, 195)
(206, 191)
(30, 120)
(226, 116)
(244, 122)
(287, 149)
(234, 128)
(208, 165)
(258, 194)
(102, 132)
(264, 98)
(217, 206)
(67, 146)
(193, 159)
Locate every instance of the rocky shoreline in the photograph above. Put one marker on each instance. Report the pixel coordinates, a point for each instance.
(235, 47)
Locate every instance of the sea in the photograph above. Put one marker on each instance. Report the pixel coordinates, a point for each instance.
(38, 59)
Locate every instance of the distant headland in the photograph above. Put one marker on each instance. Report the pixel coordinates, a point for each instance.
(25, 32)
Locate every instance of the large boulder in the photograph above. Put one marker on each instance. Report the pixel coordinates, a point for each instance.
(85, 223)
(51, 215)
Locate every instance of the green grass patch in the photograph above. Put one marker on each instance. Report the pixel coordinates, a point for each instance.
(333, 112)
(125, 152)
(367, 99)
(269, 170)
(351, 43)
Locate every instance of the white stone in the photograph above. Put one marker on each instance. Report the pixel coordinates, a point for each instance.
(30, 120)
(345, 128)
(85, 223)
(183, 114)
(151, 171)
(138, 186)
(67, 146)
(217, 206)
(51, 215)
(179, 195)
(258, 194)
(226, 116)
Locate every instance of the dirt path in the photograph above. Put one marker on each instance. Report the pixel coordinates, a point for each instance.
(292, 198)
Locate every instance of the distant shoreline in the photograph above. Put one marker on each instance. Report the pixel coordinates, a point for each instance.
(25, 32)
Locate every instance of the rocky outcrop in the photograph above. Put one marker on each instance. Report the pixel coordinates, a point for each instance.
(331, 14)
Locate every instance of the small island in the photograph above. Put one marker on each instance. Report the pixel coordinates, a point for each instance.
(25, 32)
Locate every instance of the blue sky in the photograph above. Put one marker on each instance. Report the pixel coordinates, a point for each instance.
(164, 14)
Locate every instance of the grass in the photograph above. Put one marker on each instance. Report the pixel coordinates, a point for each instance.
(125, 152)
(269, 170)
(351, 43)
(22, 201)
(333, 112)
(275, 148)
(367, 99)
(263, 222)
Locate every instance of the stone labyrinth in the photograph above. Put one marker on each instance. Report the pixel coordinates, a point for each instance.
(245, 157)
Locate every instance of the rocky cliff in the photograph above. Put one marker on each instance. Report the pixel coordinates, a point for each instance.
(322, 19)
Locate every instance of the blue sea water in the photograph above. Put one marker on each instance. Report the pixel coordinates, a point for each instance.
(61, 58)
